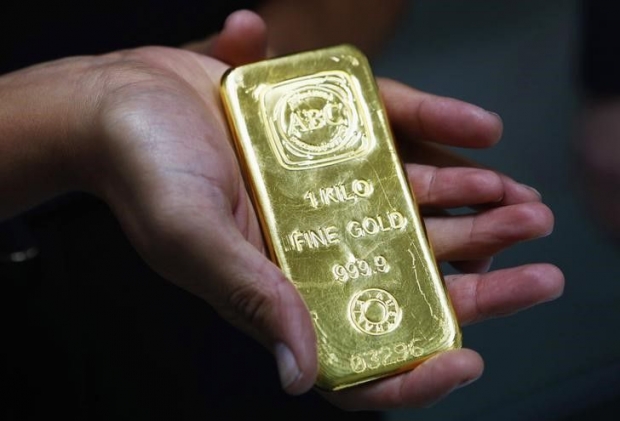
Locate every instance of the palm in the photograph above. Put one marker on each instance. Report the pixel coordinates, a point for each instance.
(175, 185)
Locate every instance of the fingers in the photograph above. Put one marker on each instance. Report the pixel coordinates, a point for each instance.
(425, 385)
(477, 297)
(517, 193)
(464, 184)
(481, 235)
(242, 40)
(425, 117)
(454, 187)
(506, 213)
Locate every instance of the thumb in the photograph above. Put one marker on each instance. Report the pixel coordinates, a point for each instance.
(216, 263)
(243, 39)
(261, 301)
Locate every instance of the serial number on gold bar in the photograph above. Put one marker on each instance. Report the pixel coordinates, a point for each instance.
(337, 212)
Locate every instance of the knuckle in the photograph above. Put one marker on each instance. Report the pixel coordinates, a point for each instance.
(253, 304)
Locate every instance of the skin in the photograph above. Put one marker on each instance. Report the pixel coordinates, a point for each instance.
(142, 129)
(297, 25)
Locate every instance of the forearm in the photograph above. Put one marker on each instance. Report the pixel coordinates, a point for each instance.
(296, 25)
(40, 115)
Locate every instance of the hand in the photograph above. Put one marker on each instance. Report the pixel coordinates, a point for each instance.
(504, 213)
(143, 130)
(271, 310)
(300, 25)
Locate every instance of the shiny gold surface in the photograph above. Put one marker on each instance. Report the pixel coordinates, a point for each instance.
(337, 212)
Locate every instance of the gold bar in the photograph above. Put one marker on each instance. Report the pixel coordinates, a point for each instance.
(337, 212)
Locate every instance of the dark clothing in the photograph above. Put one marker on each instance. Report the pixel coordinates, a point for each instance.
(91, 333)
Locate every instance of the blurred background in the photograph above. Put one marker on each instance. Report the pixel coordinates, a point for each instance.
(560, 360)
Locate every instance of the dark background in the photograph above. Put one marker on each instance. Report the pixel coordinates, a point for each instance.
(99, 336)
(523, 60)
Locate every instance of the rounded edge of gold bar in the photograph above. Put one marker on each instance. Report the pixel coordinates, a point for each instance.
(454, 343)
(234, 78)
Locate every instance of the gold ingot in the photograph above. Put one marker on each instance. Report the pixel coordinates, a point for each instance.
(337, 212)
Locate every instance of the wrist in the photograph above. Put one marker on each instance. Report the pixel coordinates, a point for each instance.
(42, 110)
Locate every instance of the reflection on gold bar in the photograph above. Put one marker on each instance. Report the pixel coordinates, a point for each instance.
(337, 212)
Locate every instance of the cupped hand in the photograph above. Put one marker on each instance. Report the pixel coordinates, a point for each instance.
(502, 213)
(160, 155)
(154, 144)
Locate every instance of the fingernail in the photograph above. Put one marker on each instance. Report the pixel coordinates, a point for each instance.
(287, 365)
(466, 382)
(487, 265)
(532, 189)
(494, 114)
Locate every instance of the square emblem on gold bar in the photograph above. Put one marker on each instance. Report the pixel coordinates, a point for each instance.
(337, 212)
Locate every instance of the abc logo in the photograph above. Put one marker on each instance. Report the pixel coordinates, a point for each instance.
(315, 122)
